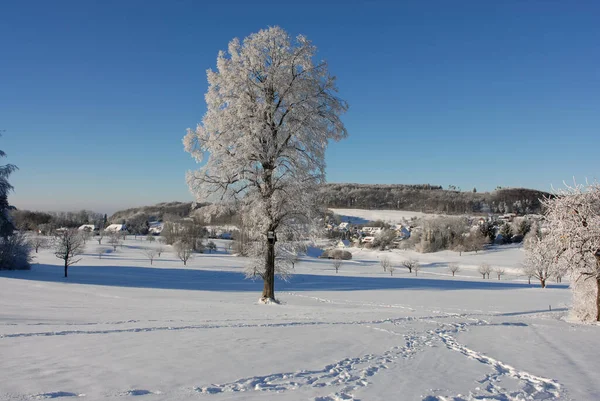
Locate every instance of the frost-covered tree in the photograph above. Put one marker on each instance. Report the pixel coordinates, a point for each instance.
(150, 253)
(38, 241)
(539, 260)
(184, 251)
(271, 113)
(573, 241)
(68, 246)
(14, 248)
(410, 264)
(115, 239)
(337, 263)
(484, 269)
(385, 263)
(453, 268)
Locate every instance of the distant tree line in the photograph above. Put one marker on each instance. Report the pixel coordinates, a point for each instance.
(27, 220)
(431, 199)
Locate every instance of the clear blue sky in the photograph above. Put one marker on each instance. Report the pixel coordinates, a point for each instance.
(95, 96)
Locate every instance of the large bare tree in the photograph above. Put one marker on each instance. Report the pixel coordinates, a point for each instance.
(271, 113)
(68, 246)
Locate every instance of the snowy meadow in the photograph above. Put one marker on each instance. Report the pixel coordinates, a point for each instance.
(119, 327)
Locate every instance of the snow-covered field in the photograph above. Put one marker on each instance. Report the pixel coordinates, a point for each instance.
(361, 216)
(119, 328)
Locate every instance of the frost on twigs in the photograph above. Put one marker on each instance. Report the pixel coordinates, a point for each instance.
(571, 245)
(271, 112)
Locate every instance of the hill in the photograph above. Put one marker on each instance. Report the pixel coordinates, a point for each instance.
(417, 198)
(430, 199)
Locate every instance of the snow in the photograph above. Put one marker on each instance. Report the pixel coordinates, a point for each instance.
(363, 216)
(119, 328)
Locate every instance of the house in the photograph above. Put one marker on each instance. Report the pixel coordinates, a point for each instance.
(402, 232)
(155, 227)
(88, 227)
(344, 243)
(115, 228)
(343, 226)
(368, 240)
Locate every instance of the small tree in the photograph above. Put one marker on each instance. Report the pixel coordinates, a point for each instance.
(100, 237)
(485, 270)
(15, 252)
(500, 272)
(410, 264)
(85, 235)
(150, 254)
(150, 238)
(417, 268)
(337, 263)
(37, 242)
(184, 251)
(391, 269)
(68, 246)
(539, 261)
(101, 251)
(453, 268)
(115, 239)
(385, 263)
(160, 249)
(507, 232)
(211, 246)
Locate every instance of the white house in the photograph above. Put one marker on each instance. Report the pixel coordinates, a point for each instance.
(368, 240)
(87, 227)
(115, 228)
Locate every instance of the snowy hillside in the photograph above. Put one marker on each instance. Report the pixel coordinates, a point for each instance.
(119, 328)
(360, 216)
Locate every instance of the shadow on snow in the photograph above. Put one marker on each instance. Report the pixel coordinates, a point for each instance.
(211, 280)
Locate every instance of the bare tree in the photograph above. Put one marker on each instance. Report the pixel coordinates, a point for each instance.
(484, 269)
(37, 242)
(499, 272)
(453, 268)
(115, 239)
(101, 251)
(150, 238)
(184, 251)
(150, 254)
(385, 263)
(337, 263)
(391, 269)
(410, 264)
(417, 268)
(86, 235)
(100, 236)
(68, 246)
(160, 249)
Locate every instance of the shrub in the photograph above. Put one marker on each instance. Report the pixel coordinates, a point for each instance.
(15, 252)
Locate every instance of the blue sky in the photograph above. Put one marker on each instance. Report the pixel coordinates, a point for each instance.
(96, 96)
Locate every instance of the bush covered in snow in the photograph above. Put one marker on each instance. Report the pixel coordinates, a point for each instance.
(336, 254)
(15, 252)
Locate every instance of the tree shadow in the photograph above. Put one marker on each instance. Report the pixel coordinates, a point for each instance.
(215, 280)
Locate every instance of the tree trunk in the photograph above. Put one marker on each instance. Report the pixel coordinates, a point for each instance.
(598, 299)
(269, 276)
(543, 282)
(529, 280)
(66, 268)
